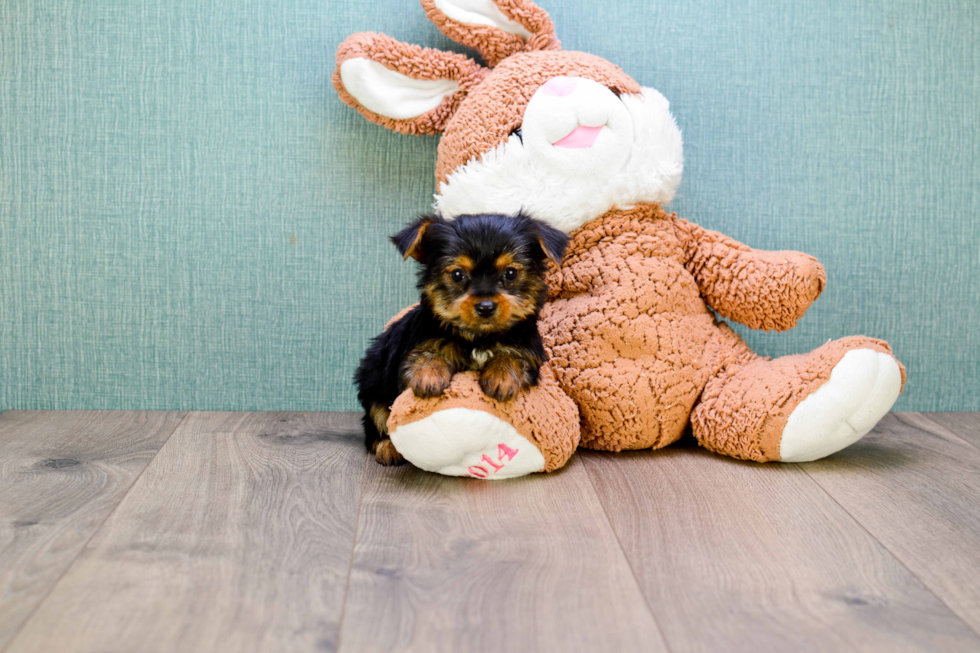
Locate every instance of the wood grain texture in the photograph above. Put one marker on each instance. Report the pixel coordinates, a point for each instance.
(531, 564)
(61, 475)
(965, 425)
(916, 487)
(237, 538)
(736, 556)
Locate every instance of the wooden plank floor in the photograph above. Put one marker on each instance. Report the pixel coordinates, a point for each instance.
(275, 532)
(61, 475)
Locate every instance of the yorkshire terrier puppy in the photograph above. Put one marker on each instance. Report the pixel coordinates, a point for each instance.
(482, 282)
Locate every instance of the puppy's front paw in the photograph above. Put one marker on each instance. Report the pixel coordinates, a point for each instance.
(431, 379)
(386, 454)
(502, 379)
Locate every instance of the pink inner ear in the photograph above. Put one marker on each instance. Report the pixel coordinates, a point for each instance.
(558, 86)
(580, 138)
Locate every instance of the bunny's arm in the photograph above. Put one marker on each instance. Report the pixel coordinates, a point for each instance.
(760, 289)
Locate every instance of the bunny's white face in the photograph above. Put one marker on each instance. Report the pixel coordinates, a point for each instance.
(578, 126)
(580, 151)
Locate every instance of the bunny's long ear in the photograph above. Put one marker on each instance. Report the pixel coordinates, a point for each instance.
(494, 28)
(403, 87)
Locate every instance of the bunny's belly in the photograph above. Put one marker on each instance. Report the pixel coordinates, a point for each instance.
(634, 353)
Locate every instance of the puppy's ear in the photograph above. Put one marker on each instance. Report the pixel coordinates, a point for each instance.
(553, 242)
(409, 240)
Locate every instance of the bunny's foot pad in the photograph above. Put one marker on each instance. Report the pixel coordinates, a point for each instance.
(863, 386)
(467, 442)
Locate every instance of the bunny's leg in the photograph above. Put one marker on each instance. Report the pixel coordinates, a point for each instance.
(798, 408)
(465, 433)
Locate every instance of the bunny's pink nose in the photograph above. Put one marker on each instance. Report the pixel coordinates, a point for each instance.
(559, 86)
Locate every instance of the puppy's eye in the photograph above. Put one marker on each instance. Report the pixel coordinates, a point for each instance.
(458, 276)
(510, 274)
(519, 133)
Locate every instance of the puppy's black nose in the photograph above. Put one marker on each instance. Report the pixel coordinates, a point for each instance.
(486, 308)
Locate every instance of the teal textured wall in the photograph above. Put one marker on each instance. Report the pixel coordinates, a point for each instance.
(190, 218)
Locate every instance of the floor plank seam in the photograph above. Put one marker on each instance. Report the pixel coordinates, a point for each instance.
(890, 552)
(353, 547)
(95, 532)
(629, 564)
(949, 431)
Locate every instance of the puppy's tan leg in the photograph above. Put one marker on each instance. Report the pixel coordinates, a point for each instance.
(386, 454)
(383, 450)
(379, 415)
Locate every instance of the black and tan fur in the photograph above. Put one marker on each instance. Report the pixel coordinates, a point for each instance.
(483, 284)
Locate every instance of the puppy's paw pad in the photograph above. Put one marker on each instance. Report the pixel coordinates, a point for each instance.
(500, 384)
(430, 380)
(386, 454)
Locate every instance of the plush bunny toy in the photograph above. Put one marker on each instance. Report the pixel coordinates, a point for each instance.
(636, 353)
